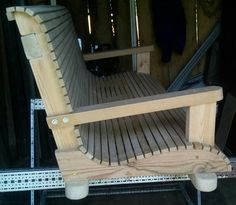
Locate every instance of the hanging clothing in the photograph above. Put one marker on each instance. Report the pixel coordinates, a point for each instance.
(170, 26)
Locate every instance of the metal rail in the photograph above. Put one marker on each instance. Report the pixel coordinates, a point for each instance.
(50, 178)
(179, 81)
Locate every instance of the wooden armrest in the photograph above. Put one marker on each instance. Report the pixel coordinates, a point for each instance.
(124, 108)
(117, 53)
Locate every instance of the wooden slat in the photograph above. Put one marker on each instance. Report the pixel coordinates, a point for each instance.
(66, 51)
(155, 132)
(10, 13)
(68, 41)
(164, 133)
(137, 147)
(168, 128)
(104, 143)
(55, 43)
(85, 128)
(42, 17)
(114, 160)
(121, 124)
(119, 142)
(33, 10)
(169, 122)
(147, 142)
(20, 9)
(143, 130)
(49, 25)
(104, 148)
(91, 135)
(52, 34)
(157, 88)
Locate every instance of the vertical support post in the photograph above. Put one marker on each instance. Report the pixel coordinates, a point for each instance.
(133, 32)
(32, 144)
(199, 198)
(143, 63)
(200, 123)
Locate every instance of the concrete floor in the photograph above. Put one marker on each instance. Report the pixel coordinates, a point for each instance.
(225, 194)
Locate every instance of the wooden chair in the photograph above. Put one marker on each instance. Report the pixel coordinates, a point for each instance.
(120, 126)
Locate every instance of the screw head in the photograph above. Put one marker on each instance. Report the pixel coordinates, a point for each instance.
(54, 121)
(65, 119)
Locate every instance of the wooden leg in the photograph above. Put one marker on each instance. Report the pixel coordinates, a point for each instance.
(205, 182)
(200, 123)
(76, 188)
(143, 63)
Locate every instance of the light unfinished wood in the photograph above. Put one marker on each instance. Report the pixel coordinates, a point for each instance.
(31, 52)
(171, 124)
(186, 98)
(143, 63)
(44, 70)
(122, 125)
(175, 162)
(200, 123)
(204, 182)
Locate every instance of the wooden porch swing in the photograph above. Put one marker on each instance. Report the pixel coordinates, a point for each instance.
(120, 126)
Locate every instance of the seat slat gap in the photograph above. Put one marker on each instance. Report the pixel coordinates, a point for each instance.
(124, 135)
(50, 25)
(174, 136)
(119, 142)
(156, 134)
(114, 159)
(133, 138)
(52, 36)
(141, 138)
(164, 132)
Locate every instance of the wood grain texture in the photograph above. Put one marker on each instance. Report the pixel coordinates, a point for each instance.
(176, 162)
(186, 98)
(44, 70)
(143, 63)
(200, 125)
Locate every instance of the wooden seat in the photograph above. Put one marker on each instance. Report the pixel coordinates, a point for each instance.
(126, 139)
(118, 126)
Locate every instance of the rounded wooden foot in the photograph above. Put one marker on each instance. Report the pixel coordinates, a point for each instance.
(76, 189)
(205, 182)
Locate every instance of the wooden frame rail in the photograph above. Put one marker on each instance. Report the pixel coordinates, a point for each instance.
(143, 56)
(117, 53)
(200, 103)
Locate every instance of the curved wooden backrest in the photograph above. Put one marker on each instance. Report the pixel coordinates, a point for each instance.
(50, 44)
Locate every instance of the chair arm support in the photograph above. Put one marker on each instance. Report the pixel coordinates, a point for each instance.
(124, 108)
(117, 53)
